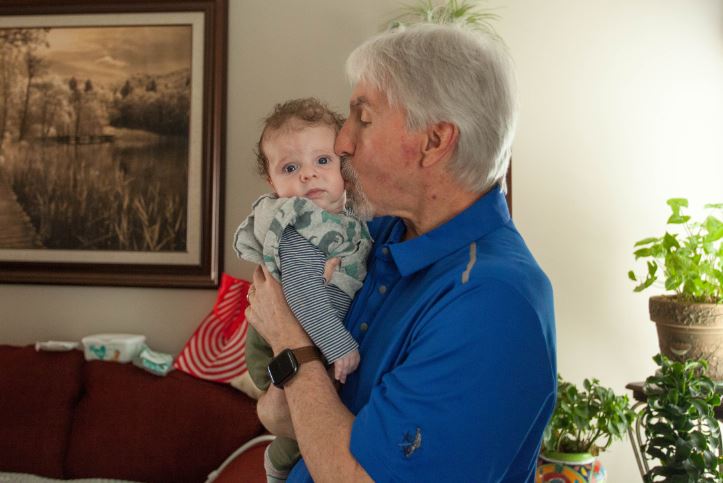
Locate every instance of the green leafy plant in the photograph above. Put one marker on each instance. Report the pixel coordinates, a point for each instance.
(681, 430)
(463, 12)
(586, 421)
(692, 261)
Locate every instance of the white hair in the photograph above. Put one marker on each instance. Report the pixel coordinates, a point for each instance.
(448, 73)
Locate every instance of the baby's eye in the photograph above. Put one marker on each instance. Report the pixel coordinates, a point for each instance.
(323, 160)
(289, 168)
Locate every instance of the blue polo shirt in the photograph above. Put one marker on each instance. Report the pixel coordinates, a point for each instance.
(457, 339)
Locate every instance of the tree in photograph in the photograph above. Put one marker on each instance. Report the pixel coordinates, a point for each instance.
(50, 108)
(8, 74)
(126, 89)
(88, 108)
(158, 104)
(75, 101)
(34, 66)
(17, 49)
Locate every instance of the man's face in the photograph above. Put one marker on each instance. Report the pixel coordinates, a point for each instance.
(381, 150)
(302, 163)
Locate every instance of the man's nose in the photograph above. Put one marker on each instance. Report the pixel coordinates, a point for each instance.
(344, 146)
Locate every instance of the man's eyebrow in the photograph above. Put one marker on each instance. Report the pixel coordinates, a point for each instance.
(358, 102)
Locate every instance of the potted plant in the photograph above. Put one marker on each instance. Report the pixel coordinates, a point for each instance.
(682, 435)
(462, 12)
(584, 423)
(689, 322)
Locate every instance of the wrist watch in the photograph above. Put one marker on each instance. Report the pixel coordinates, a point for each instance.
(284, 366)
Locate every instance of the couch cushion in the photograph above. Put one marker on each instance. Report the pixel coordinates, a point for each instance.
(38, 392)
(133, 425)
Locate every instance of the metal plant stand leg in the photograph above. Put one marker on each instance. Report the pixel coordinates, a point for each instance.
(636, 440)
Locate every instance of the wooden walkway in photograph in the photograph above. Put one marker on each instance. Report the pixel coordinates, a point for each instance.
(16, 231)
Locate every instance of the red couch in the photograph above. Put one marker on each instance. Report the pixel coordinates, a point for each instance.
(63, 417)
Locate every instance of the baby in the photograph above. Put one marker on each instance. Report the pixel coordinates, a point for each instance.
(294, 231)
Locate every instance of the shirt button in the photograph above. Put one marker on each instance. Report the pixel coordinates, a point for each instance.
(364, 327)
(385, 251)
(382, 289)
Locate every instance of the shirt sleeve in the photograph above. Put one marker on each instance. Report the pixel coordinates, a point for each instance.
(310, 299)
(469, 398)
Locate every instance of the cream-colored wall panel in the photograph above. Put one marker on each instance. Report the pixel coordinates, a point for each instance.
(621, 108)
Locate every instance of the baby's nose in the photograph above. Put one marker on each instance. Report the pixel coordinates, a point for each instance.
(308, 173)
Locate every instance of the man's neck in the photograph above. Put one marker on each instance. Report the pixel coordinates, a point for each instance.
(438, 206)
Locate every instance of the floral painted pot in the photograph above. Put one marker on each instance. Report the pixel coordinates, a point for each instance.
(569, 468)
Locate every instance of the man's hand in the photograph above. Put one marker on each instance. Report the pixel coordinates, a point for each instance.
(273, 411)
(346, 365)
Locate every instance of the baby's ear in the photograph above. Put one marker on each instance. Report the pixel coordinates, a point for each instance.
(271, 183)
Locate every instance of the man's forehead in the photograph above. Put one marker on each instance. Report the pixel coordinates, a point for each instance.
(364, 95)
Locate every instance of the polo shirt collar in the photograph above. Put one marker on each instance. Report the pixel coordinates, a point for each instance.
(485, 215)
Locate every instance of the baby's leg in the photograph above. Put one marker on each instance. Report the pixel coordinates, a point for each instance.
(280, 456)
(258, 356)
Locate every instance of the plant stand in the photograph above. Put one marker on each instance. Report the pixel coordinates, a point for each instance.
(635, 432)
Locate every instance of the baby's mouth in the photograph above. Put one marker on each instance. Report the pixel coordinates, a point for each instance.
(315, 193)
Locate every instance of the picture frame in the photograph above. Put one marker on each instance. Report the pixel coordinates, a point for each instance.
(131, 156)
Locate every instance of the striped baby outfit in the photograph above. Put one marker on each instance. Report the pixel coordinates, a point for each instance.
(293, 238)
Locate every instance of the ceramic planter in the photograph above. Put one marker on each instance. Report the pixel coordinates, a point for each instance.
(569, 468)
(690, 331)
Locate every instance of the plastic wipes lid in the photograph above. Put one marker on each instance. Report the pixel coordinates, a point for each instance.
(114, 339)
(56, 346)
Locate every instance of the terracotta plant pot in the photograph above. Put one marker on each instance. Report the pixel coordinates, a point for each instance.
(569, 468)
(690, 331)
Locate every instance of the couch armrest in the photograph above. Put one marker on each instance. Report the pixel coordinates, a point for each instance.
(245, 464)
(38, 394)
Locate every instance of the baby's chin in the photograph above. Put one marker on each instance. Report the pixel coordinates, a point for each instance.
(336, 206)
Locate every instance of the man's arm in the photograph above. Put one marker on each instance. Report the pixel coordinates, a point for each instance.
(322, 424)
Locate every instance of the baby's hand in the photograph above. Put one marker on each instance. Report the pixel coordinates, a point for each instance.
(330, 267)
(346, 365)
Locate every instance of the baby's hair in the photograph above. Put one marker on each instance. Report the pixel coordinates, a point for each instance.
(309, 111)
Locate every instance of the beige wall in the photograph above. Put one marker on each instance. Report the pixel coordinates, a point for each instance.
(622, 107)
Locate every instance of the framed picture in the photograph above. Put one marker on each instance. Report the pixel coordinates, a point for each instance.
(112, 126)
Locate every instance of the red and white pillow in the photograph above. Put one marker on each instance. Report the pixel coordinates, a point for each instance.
(216, 350)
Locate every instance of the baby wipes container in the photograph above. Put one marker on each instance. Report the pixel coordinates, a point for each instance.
(113, 347)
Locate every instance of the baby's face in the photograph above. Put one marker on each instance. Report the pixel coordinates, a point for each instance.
(302, 163)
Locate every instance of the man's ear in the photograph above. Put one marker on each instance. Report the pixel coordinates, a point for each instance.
(441, 141)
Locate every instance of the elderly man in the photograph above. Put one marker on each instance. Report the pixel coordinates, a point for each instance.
(455, 319)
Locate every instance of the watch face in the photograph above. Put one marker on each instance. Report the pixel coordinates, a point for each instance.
(282, 368)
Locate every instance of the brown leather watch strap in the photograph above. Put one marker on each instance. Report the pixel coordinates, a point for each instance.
(307, 354)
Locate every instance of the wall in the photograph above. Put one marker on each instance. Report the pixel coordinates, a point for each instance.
(622, 108)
